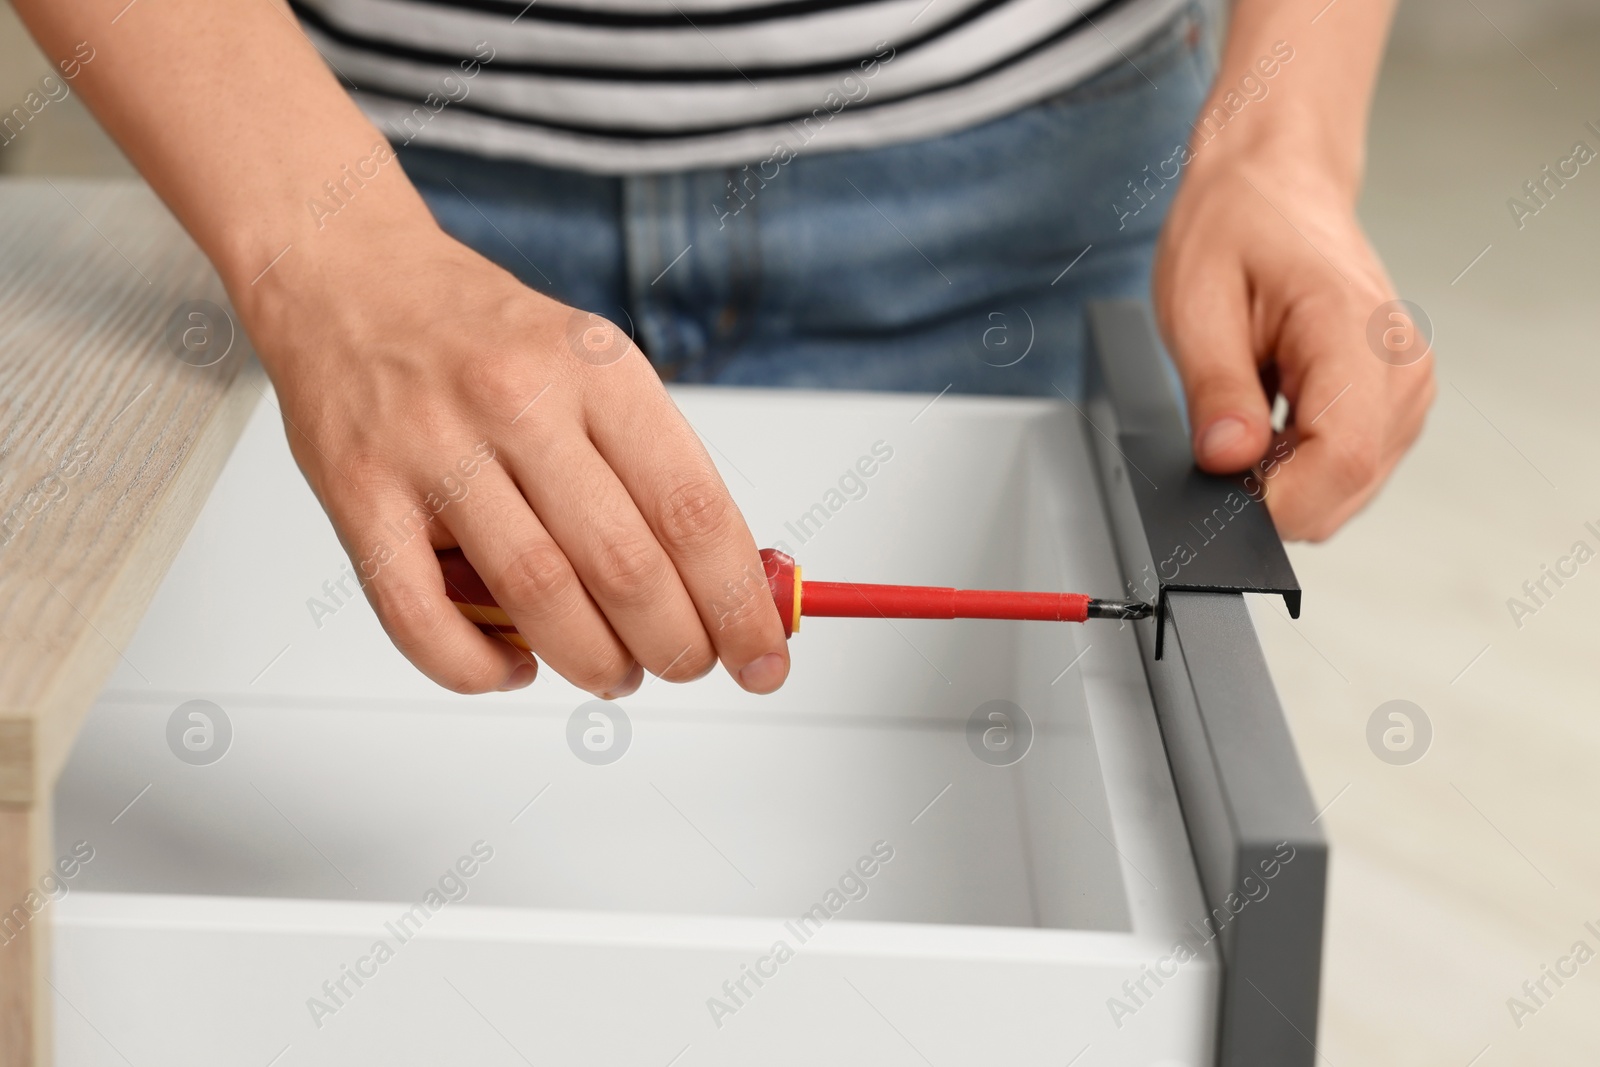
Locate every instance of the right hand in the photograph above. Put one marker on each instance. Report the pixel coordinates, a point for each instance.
(402, 361)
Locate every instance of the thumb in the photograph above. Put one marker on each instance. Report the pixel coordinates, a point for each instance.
(1229, 412)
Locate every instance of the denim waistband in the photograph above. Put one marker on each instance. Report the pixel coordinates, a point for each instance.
(960, 262)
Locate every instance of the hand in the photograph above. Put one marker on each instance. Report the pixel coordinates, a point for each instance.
(1264, 283)
(433, 401)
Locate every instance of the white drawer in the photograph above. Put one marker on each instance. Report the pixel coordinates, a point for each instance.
(621, 907)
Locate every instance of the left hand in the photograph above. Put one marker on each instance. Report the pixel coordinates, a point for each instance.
(1265, 283)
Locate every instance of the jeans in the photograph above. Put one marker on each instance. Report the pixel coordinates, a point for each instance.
(961, 262)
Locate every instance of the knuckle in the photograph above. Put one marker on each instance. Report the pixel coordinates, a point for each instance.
(630, 568)
(364, 466)
(492, 382)
(413, 620)
(538, 582)
(600, 332)
(1355, 458)
(595, 339)
(411, 614)
(696, 512)
(431, 424)
(742, 603)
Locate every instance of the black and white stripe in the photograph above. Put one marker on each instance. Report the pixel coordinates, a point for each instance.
(634, 85)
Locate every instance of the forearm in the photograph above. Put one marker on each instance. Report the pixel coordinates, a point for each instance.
(1312, 106)
(232, 117)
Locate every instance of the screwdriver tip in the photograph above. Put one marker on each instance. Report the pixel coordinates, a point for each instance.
(1119, 609)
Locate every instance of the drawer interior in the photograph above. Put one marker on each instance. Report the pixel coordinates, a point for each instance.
(349, 776)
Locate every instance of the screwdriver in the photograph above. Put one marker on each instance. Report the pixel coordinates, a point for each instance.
(796, 597)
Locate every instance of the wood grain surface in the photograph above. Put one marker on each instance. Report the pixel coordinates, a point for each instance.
(111, 436)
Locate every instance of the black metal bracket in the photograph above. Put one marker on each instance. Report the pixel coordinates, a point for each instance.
(1207, 533)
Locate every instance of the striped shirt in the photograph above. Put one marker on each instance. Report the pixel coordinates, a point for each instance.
(620, 86)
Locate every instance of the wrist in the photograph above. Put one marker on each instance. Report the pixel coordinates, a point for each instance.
(1290, 101)
(1291, 149)
(315, 218)
(315, 276)
(328, 290)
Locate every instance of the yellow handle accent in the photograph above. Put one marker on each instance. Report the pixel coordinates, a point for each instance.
(794, 625)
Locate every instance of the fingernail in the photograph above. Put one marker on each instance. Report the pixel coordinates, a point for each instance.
(629, 686)
(520, 678)
(1221, 436)
(765, 674)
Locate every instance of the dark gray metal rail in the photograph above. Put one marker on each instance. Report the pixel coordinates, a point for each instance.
(1188, 544)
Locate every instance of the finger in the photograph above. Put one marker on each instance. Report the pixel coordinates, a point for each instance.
(660, 460)
(1339, 447)
(404, 585)
(1209, 335)
(533, 582)
(627, 573)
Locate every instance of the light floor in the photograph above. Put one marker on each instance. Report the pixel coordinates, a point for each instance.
(1457, 878)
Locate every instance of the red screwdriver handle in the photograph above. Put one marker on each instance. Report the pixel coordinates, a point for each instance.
(796, 597)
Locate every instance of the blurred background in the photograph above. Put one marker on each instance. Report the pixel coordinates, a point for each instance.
(1462, 874)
